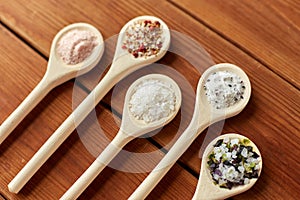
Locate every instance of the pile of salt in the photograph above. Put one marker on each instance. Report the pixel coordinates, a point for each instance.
(76, 45)
(152, 101)
(224, 89)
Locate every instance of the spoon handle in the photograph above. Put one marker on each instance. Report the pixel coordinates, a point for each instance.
(181, 145)
(202, 192)
(61, 134)
(96, 167)
(37, 94)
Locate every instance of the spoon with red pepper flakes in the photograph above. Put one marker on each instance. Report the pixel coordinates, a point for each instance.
(123, 64)
(231, 164)
(143, 38)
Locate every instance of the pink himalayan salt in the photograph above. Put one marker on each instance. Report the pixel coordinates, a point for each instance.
(76, 45)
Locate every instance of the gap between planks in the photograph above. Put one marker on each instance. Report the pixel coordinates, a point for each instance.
(22, 39)
(2, 197)
(229, 40)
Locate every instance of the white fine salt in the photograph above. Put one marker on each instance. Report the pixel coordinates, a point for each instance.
(152, 100)
(76, 45)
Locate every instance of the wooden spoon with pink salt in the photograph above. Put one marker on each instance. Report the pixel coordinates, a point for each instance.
(75, 50)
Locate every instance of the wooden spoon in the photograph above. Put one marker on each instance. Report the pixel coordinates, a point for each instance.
(206, 189)
(204, 115)
(130, 129)
(57, 73)
(123, 64)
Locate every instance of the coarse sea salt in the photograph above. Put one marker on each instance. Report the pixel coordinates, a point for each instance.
(152, 100)
(76, 45)
(224, 89)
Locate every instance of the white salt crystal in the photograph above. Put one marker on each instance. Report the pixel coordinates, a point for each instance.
(241, 169)
(244, 152)
(234, 141)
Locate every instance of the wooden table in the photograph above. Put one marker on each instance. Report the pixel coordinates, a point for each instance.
(262, 37)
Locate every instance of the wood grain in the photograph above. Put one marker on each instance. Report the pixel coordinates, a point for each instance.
(271, 119)
(62, 169)
(269, 30)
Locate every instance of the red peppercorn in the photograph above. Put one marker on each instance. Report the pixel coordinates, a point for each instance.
(146, 22)
(135, 54)
(142, 48)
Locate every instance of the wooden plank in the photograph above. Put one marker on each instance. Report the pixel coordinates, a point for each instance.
(270, 119)
(268, 30)
(70, 161)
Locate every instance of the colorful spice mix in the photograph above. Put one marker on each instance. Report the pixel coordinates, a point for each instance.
(233, 162)
(143, 38)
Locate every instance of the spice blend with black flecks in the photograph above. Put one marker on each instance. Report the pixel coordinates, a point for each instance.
(224, 89)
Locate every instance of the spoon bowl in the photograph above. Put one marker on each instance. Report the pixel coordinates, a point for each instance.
(206, 189)
(123, 64)
(57, 73)
(134, 127)
(204, 115)
(219, 114)
(64, 71)
(126, 62)
(130, 129)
